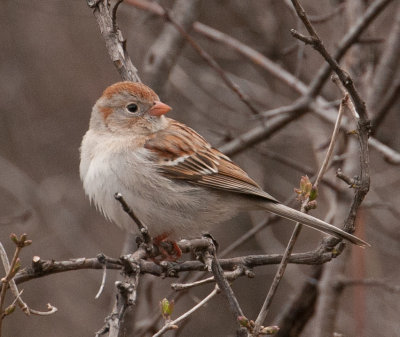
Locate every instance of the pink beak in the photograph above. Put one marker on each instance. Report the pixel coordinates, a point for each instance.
(159, 109)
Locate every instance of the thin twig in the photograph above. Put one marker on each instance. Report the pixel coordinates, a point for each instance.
(10, 271)
(173, 324)
(226, 289)
(317, 44)
(103, 282)
(141, 226)
(50, 311)
(343, 90)
(229, 275)
(332, 143)
(278, 276)
(349, 181)
(347, 41)
(8, 281)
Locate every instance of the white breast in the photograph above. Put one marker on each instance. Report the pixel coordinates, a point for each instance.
(165, 206)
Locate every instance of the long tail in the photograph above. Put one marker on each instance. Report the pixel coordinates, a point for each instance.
(308, 220)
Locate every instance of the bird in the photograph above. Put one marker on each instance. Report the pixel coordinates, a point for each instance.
(176, 183)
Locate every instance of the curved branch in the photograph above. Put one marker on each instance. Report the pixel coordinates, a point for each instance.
(115, 43)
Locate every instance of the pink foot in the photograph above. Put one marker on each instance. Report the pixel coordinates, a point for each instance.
(167, 252)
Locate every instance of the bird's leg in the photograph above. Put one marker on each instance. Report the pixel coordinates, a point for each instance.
(168, 249)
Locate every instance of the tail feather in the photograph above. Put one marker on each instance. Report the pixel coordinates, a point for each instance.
(308, 220)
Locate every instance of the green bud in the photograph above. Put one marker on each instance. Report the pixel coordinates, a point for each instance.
(313, 194)
(9, 310)
(167, 308)
(14, 238)
(243, 321)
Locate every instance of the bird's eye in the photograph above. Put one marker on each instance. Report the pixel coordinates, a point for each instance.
(132, 107)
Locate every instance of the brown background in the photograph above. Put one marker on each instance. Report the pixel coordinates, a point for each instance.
(54, 65)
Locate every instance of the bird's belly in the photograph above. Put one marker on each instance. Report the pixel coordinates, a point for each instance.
(179, 209)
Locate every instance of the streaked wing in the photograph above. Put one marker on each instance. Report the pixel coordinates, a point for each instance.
(183, 154)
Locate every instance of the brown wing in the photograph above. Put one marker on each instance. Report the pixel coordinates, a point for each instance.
(185, 155)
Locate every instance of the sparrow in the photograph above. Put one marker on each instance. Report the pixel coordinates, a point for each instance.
(177, 184)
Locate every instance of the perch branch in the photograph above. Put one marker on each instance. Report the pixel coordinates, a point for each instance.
(42, 268)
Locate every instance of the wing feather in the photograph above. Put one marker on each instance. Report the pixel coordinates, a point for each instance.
(183, 154)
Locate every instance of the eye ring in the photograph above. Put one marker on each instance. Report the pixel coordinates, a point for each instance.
(132, 107)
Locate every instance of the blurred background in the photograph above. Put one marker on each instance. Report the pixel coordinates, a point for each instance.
(53, 67)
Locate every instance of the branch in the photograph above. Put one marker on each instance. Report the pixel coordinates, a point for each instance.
(320, 107)
(203, 54)
(317, 44)
(363, 140)
(11, 270)
(258, 134)
(229, 275)
(42, 268)
(115, 43)
(332, 143)
(262, 132)
(391, 156)
(347, 41)
(126, 295)
(277, 278)
(329, 301)
(223, 284)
